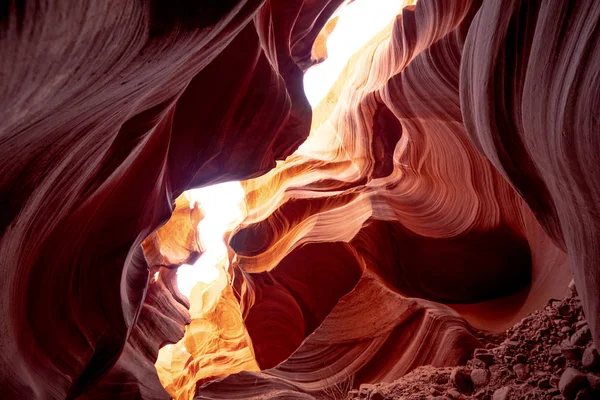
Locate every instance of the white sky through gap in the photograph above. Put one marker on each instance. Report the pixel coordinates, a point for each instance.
(358, 22)
(222, 204)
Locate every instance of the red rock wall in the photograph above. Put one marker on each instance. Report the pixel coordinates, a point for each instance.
(542, 134)
(446, 176)
(109, 112)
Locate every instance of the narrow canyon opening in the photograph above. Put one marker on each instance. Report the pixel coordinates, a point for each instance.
(276, 255)
(223, 208)
(217, 343)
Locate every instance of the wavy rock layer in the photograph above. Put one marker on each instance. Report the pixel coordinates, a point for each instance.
(442, 183)
(359, 342)
(542, 136)
(107, 116)
(395, 149)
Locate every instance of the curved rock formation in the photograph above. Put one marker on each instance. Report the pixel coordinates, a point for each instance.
(359, 342)
(107, 116)
(542, 136)
(444, 184)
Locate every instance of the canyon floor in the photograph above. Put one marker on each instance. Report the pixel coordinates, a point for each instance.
(547, 355)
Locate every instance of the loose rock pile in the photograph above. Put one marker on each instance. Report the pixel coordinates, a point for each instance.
(548, 355)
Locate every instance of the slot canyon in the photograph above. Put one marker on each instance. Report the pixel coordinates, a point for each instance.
(300, 199)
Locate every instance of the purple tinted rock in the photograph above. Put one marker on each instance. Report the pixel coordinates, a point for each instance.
(571, 382)
(591, 359)
(480, 377)
(461, 380)
(522, 371)
(581, 337)
(502, 393)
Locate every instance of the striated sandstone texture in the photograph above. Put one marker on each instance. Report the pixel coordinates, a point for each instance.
(444, 189)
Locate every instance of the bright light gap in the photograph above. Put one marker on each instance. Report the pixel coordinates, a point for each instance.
(358, 23)
(222, 205)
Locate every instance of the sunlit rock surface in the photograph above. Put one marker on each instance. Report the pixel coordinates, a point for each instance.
(445, 183)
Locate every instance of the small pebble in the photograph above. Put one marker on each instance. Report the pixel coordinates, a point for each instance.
(591, 359)
(453, 394)
(461, 380)
(571, 382)
(581, 337)
(555, 350)
(502, 393)
(566, 330)
(580, 324)
(594, 381)
(480, 377)
(522, 371)
(570, 351)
